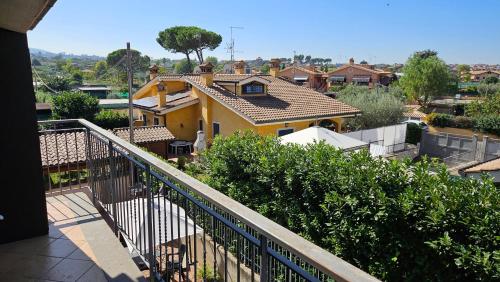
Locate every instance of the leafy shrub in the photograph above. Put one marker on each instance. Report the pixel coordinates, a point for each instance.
(68, 105)
(396, 220)
(488, 123)
(181, 162)
(56, 83)
(336, 88)
(489, 106)
(43, 97)
(463, 122)
(441, 120)
(208, 274)
(111, 119)
(384, 108)
(413, 133)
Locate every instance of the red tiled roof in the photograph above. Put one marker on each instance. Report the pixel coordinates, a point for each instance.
(145, 134)
(491, 165)
(285, 101)
(62, 148)
(306, 70)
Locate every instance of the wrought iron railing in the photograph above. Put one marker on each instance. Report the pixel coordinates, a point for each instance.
(178, 225)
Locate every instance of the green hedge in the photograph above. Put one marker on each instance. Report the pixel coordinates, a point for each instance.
(396, 220)
(111, 119)
(485, 123)
(488, 123)
(413, 133)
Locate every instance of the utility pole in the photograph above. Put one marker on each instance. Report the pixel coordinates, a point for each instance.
(130, 108)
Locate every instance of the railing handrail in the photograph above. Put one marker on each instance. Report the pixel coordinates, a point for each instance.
(323, 260)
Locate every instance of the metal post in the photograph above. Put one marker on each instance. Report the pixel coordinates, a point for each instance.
(151, 257)
(130, 108)
(90, 170)
(264, 260)
(112, 185)
(130, 78)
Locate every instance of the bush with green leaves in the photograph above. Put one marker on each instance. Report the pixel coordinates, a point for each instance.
(111, 119)
(413, 133)
(378, 109)
(490, 105)
(395, 219)
(488, 123)
(43, 97)
(441, 120)
(69, 105)
(463, 122)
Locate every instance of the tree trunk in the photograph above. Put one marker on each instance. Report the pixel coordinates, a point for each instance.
(199, 53)
(189, 61)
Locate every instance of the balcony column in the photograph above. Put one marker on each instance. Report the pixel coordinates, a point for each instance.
(22, 202)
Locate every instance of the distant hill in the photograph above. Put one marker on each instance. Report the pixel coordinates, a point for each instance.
(35, 52)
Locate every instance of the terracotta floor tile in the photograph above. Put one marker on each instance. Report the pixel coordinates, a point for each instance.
(69, 270)
(60, 248)
(35, 266)
(94, 274)
(75, 234)
(28, 246)
(8, 262)
(84, 252)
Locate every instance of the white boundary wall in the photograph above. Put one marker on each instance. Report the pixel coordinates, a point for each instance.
(382, 140)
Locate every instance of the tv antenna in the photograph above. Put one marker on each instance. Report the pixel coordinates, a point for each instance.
(230, 45)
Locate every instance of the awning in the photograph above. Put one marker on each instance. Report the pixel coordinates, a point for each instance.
(361, 79)
(337, 78)
(300, 78)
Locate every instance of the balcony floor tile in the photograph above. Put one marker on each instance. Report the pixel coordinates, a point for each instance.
(80, 246)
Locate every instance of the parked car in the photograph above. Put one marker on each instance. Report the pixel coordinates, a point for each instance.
(417, 122)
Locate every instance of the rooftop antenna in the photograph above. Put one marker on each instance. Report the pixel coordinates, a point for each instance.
(230, 45)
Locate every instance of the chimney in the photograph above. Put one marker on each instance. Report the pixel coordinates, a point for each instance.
(351, 61)
(206, 74)
(162, 95)
(274, 67)
(239, 67)
(153, 72)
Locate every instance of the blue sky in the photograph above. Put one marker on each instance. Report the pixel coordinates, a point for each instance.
(377, 31)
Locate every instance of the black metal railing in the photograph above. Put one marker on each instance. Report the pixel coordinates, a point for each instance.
(180, 227)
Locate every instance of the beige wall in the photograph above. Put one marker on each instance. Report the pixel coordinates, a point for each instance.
(183, 123)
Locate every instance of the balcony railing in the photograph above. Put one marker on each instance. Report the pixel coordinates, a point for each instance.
(180, 227)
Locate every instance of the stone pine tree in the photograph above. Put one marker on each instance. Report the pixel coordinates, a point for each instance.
(188, 39)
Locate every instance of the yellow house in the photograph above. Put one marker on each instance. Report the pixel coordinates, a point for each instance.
(225, 103)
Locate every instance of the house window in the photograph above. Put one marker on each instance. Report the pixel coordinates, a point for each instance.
(156, 121)
(200, 125)
(215, 129)
(285, 131)
(144, 120)
(253, 88)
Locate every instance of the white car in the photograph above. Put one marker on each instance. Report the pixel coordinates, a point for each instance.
(417, 122)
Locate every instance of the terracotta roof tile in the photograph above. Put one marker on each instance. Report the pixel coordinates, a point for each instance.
(306, 70)
(62, 148)
(145, 134)
(491, 165)
(285, 101)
